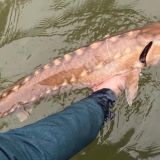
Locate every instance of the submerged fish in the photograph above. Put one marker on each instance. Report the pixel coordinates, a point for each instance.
(86, 67)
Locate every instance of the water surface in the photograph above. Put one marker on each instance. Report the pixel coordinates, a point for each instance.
(32, 32)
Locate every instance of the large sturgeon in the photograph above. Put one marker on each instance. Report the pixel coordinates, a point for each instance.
(86, 67)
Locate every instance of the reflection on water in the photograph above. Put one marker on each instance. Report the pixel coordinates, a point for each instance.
(34, 31)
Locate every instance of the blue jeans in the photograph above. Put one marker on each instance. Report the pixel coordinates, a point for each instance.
(59, 136)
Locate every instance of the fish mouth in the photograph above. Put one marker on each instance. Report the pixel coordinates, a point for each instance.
(144, 53)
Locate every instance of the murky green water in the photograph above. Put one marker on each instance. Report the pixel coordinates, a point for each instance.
(32, 32)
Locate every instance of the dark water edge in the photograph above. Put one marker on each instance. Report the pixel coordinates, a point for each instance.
(35, 31)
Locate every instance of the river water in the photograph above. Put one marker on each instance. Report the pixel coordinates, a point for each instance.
(32, 32)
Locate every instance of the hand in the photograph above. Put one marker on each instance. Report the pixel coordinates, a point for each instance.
(117, 83)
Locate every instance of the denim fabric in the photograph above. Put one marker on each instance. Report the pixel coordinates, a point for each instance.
(59, 136)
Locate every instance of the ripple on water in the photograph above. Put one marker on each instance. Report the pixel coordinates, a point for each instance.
(46, 29)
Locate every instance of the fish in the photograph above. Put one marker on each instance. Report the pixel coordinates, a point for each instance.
(87, 66)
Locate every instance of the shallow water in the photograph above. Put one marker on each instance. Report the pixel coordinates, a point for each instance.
(33, 32)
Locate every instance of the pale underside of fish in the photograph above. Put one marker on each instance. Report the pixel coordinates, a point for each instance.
(87, 67)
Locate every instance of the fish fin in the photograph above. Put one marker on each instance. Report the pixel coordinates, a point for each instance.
(22, 115)
(131, 87)
(29, 110)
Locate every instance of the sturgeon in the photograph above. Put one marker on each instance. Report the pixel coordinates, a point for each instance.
(87, 67)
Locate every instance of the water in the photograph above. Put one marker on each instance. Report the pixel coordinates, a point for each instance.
(33, 32)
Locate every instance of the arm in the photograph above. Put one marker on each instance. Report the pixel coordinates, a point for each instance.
(59, 136)
(62, 135)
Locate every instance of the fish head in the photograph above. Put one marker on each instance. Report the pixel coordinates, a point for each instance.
(148, 39)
